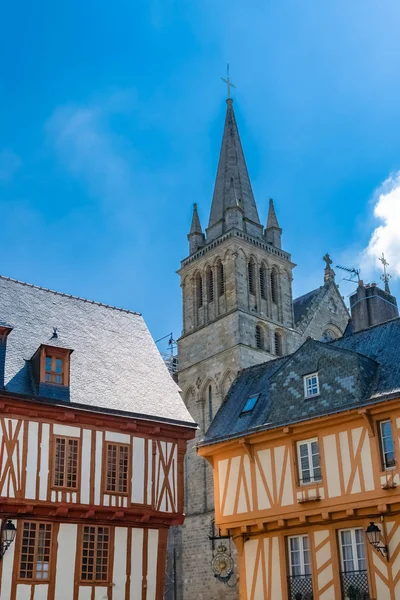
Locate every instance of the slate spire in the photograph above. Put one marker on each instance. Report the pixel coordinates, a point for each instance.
(196, 235)
(273, 232)
(232, 186)
(272, 220)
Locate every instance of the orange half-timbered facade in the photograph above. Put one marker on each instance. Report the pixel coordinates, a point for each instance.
(93, 435)
(306, 455)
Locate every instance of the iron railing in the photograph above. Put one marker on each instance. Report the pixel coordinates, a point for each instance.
(300, 587)
(354, 585)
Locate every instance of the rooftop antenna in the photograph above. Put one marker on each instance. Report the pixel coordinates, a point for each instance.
(385, 277)
(170, 356)
(353, 273)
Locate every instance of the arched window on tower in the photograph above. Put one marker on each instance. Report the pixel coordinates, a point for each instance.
(274, 286)
(263, 287)
(210, 405)
(278, 343)
(199, 290)
(259, 337)
(251, 276)
(220, 279)
(210, 285)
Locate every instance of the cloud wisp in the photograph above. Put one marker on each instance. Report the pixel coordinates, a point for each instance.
(89, 150)
(386, 235)
(9, 165)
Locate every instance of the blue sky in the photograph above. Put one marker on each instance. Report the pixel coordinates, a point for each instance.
(111, 117)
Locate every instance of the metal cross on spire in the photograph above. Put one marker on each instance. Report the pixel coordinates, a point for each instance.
(228, 81)
(385, 277)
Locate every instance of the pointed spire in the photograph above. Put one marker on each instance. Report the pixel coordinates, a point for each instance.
(232, 167)
(196, 235)
(273, 232)
(196, 226)
(272, 220)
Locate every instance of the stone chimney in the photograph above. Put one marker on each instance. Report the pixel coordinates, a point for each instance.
(370, 305)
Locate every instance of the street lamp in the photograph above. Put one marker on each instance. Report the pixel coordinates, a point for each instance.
(374, 537)
(8, 531)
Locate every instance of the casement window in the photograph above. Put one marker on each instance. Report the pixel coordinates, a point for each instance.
(35, 554)
(387, 445)
(299, 555)
(95, 554)
(311, 385)
(309, 461)
(352, 550)
(54, 370)
(66, 456)
(117, 468)
(250, 404)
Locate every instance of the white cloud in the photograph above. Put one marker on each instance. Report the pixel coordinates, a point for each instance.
(386, 235)
(9, 165)
(89, 150)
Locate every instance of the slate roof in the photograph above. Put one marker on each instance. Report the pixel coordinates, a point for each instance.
(377, 352)
(115, 364)
(303, 303)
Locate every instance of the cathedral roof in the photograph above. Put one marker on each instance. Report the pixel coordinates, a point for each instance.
(115, 364)
(354, 371)
(303, 303)
(232, 184)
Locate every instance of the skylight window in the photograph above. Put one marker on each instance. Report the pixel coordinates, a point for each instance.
(250, 404)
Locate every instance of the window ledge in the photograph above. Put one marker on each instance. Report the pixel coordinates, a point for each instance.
(313, 499)
(389, 485)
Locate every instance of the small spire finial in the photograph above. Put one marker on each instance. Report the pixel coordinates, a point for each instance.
(329, 274)
(385, 277)
(228, 81)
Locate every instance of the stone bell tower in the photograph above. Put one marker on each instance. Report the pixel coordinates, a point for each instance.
(237, 311)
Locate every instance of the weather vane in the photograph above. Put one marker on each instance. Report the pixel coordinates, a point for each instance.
(385, 277)
(228, 81)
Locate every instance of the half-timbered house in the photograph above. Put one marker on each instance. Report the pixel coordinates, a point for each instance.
(93, 434)
(306, 461)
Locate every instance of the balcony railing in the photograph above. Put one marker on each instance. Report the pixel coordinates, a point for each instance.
(300, 587)
(355, 585)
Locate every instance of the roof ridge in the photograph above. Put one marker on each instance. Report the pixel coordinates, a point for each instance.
(44, 289)
(343, 337)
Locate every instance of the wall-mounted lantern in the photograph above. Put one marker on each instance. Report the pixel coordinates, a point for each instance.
(374, 537)
(8, 531)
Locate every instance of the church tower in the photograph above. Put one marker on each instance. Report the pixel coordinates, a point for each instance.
(237, 311)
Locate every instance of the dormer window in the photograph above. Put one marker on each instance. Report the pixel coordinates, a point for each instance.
(50, 369)
(54, 370)
(311, 385)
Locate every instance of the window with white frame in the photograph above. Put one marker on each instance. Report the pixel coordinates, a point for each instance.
(311, 385)
(387, 445)
(309, 461)
(299, 556)
(352, 550)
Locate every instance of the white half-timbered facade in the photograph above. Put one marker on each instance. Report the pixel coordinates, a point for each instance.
(92, 441)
